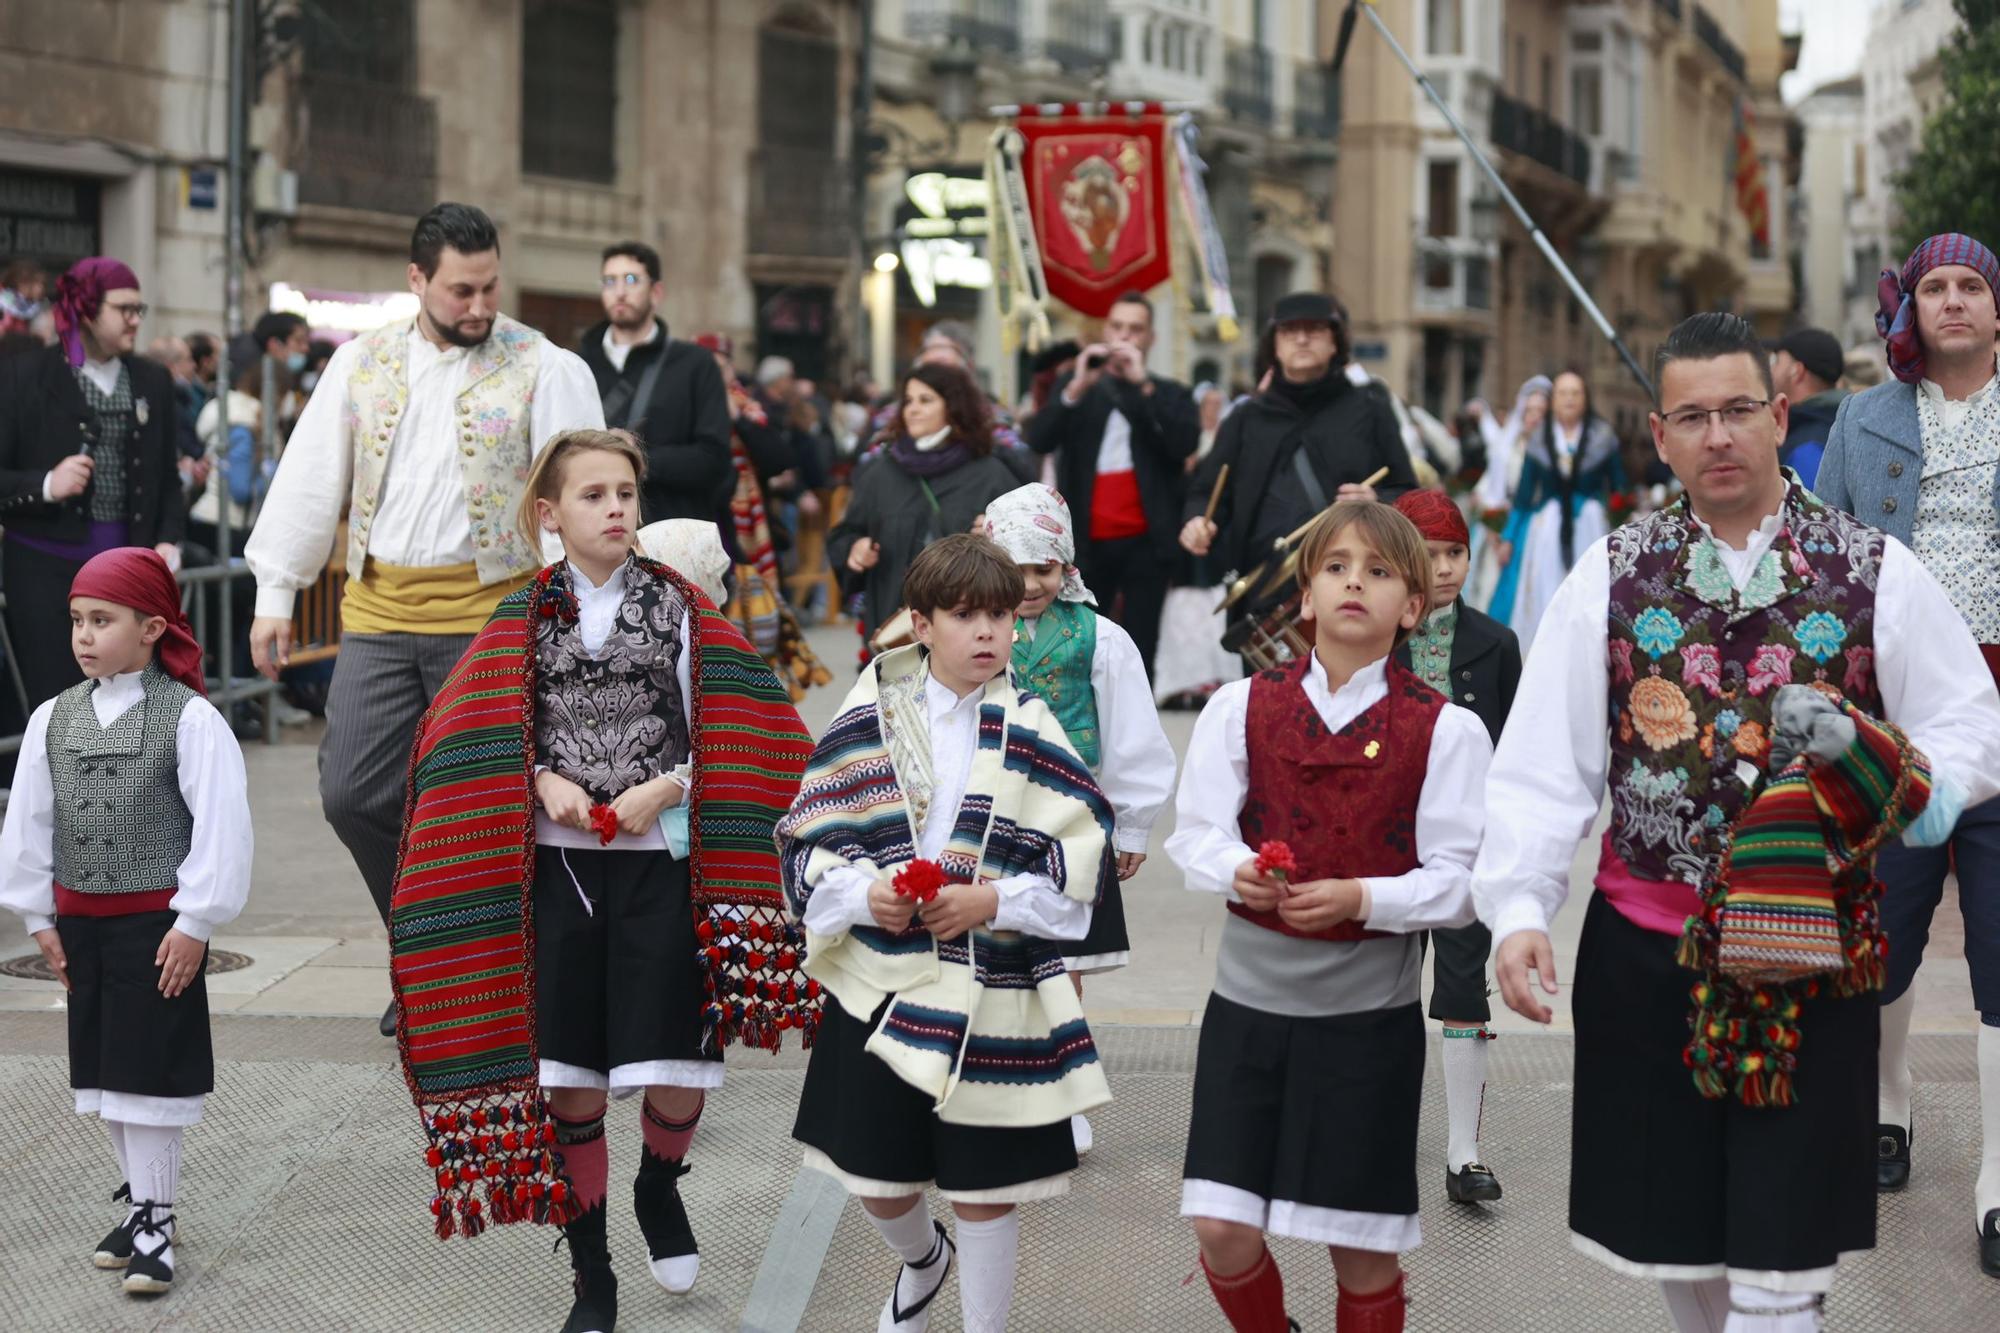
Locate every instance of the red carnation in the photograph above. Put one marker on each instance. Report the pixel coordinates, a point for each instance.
(1275, 858)
(920, 879)
(605, 820)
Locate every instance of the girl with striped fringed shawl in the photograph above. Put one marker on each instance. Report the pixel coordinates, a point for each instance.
(587, 896)
(952, 1050)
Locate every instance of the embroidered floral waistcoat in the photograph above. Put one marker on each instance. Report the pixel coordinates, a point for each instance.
(612, 720)
(1055, 664)
(1345, 802)
(491, 437)
(1694, 663)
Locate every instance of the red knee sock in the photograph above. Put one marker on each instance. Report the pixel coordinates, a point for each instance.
(585, 1158)
(1377, 1312)
(1253, 1301)
(669, 1138)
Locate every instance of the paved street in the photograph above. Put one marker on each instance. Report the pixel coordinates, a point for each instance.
(304, 1194)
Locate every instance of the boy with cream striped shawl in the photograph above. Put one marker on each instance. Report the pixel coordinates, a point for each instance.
(952, 1049)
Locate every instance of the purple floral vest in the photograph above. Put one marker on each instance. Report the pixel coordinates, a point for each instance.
(1694, 662)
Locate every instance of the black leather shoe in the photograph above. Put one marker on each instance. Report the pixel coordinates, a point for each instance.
(1892, 1157)
(389, 1020)
(1473, 1183)
(1989, 1244)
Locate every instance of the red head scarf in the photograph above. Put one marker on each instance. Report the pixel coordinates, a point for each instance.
(80, 295)
(1436, 517)
(135, 576)
(1896, 294)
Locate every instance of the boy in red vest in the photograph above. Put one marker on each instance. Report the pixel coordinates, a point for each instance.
(1337, 803)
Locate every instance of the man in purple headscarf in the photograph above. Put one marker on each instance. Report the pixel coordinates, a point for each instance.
(1919, 457)
(87, 462)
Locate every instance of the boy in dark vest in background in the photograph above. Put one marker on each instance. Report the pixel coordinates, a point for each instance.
(1336, 802)
(126, 845)
(1474, 661)
(1087, 669)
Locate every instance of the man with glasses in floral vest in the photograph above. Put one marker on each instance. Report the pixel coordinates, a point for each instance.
(1725, 995)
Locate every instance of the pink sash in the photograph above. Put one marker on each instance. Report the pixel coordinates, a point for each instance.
(1650, 904)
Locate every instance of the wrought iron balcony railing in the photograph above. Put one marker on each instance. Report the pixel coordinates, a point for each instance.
(1522, 129)
(358, 144)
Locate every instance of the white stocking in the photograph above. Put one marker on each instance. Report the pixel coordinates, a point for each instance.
(1697, 1307)
(1986, 1194)
(1892, 1098)
(986, 1256)
(1761, 1310)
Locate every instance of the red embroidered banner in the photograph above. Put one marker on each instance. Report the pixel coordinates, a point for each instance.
(1097, 189)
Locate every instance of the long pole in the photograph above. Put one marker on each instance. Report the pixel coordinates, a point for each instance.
(1493, 177)
(240, 19)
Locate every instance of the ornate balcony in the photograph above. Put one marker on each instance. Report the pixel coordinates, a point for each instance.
(1246, 83)
(1522, 129)
(1315, 102)
(985, 25)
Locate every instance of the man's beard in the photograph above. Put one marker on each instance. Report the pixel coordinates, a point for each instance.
(452, 334)
(631, 319)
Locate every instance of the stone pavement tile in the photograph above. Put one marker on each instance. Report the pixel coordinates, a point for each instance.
(272, 959)
(326, 990)
(356, 953)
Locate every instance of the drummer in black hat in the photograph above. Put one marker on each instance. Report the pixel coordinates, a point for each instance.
(1309, 438)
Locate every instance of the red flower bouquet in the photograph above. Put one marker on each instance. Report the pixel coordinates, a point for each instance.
(1275, 859)
(605, 820)
(920, 879)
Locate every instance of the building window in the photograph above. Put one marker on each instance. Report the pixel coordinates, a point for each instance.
(1442, 207)
(1444, 27)
(1586, 90)
(1548, 86)
(569, 89)
(369, 41)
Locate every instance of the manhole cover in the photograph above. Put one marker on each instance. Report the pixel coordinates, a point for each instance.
(34, 967)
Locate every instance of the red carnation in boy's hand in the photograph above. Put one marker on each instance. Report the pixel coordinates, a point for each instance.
(1275, 859)
(920, 879)
(605, 820)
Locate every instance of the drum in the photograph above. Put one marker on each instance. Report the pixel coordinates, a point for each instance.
(898, 631)
(1272, 639)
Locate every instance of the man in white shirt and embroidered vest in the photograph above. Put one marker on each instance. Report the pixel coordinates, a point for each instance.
(1672, 669)
(423, 431)
(1920, 457)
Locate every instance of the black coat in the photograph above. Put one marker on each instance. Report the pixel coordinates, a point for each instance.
(889, 506)
(1485, 667)
(44, 419)
(1166, 427)
(1351, 432)
(684, 428)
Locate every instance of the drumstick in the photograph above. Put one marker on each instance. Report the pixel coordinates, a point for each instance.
(1285, 543)
(1215, 495)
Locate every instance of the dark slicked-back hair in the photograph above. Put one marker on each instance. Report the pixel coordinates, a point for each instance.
(640, 253)
(460, 227)
(1704, 337)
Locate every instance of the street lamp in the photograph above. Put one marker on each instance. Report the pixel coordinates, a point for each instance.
(886, 262)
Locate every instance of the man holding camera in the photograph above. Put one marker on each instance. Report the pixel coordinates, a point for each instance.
(1122, 438)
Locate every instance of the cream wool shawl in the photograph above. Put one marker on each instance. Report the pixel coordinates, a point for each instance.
(987, 1024)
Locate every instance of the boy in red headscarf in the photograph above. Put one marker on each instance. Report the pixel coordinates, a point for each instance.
(126, 845)
(1474, 661)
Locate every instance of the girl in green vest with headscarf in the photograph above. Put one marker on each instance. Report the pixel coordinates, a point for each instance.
(1086, 667)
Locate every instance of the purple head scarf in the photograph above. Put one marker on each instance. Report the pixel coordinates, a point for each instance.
(1896, 320)
(80, 295)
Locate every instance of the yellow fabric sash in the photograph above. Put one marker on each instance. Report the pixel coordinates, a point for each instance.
(407, 599)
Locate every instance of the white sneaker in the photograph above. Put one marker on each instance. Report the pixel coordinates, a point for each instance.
(1079, 1130)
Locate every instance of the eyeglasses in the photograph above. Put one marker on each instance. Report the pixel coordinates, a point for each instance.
(1738, 418)
(613, 281)
(130, 309)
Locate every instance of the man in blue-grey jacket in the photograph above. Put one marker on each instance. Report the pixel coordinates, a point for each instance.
(1919, 457)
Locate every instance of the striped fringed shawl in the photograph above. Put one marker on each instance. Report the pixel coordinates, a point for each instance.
(462, 930)
(987, 1024)
(1796, 908)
